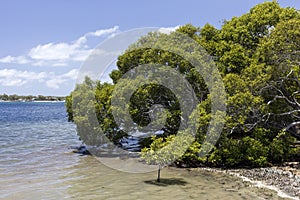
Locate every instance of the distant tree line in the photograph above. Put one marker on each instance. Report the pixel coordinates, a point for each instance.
(15, 97)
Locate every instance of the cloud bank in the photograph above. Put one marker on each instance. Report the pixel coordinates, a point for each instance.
(59, 54)
(13, 77)
(52, 66)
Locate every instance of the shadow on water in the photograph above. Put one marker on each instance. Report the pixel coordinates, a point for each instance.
(167, 182)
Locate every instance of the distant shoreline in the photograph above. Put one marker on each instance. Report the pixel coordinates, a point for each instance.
(38, 101)
(30, 98)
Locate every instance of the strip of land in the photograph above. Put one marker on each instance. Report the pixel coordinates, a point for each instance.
(29, 98)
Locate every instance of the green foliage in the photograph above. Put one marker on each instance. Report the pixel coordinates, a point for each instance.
(191, 156)
(240, 152)
(164, 151)
(89, 107)
(279, 150)
(258, 56)
(69, 107)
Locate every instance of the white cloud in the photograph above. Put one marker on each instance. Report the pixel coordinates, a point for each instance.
(39, 63)
(58, 64)
(13, 77)
(168, 30)
(55, 82)
(60, 54)
(50, 51)
(81, 55)
(76, 51)
(16, 60)
(12, 82)
(71, 74)
(103, 32)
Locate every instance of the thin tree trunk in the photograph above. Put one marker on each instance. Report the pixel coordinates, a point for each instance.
(158, 174)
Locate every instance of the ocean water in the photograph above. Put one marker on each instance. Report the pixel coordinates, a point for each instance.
(36, 162)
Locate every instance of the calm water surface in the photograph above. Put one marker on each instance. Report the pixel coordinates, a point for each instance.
(37, 163)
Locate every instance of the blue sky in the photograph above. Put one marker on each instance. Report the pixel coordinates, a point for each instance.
(43, 43)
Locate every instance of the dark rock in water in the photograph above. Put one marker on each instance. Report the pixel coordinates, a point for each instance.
(131, 144)
(81, 150)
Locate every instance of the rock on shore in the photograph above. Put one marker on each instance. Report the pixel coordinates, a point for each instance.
(284, 179)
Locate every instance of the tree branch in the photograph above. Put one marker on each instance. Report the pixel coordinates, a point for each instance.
(292, 125)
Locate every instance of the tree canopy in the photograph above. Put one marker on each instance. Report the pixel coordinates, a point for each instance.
(258, 56)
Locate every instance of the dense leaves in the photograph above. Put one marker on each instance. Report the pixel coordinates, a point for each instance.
(258, 55)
